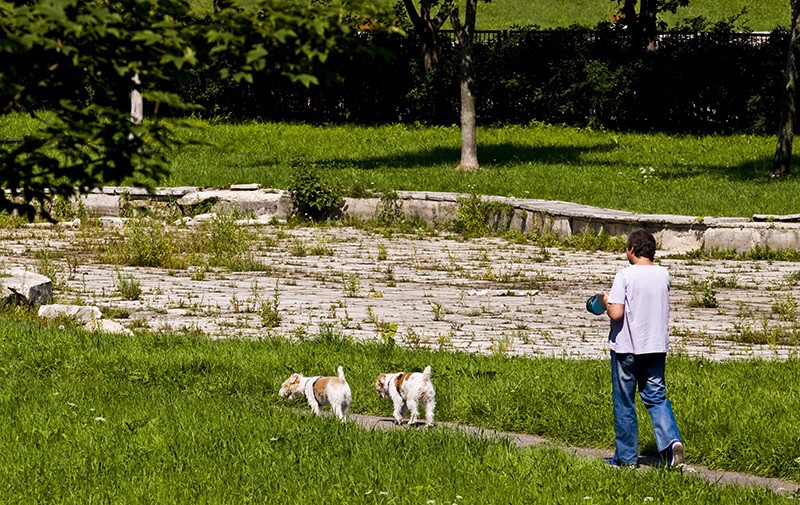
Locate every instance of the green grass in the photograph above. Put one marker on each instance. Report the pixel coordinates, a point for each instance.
(705, 176)
(170, 447)
(503, 14)
(721, 175)
(175, 406)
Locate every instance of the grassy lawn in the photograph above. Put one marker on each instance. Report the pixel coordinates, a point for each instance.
(705, 176)
(180, 417)
(722, 175)
(503, 14)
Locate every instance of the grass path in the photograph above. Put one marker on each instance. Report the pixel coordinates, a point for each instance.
(522, 440)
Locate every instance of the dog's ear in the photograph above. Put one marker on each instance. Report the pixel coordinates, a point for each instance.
(381, 378)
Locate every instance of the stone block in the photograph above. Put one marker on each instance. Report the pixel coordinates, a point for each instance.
(176, 192)
(107, 326)
(431, 211)
(731, 239)
(361, 208)
(788, 218)
(81, 314)
(19, 285)
(257, 202)
(781, 238)
(101, 204)
(679, 241)
(245, 187)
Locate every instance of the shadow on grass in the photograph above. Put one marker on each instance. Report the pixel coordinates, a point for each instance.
(754, 170)
(488, 155)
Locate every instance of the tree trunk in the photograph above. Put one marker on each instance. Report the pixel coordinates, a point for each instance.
(782, 163)
(469, 139)
(137, 104)
(427, 29)
(647, 24)
(629, 13)
(221, 4)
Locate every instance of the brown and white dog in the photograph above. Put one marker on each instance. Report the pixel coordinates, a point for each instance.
(320, 391)
(407, 390)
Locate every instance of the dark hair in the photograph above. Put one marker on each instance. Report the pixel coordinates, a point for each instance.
(643, 244)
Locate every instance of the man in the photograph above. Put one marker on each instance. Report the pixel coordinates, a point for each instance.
(638, 306)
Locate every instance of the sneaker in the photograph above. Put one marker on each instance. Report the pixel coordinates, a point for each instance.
(617, 464)
(675, 454)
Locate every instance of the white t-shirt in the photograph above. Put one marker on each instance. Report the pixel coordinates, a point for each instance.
(644, 289)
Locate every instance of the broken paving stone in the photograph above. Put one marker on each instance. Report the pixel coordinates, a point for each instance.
(17, 285)
(81, 314)
(113, 222)
(108, 326)
(245, 187)
(203, 218)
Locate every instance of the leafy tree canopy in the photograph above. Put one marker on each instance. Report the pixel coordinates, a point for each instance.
(70, 63)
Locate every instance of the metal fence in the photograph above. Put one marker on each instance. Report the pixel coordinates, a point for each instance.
(700, 38)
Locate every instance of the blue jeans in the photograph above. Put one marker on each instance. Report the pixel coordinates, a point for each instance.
(646, 371)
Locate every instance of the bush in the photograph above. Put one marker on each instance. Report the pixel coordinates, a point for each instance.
(715, 81)
(313, 198)
(476, 217)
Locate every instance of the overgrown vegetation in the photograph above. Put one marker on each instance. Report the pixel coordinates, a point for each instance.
(758, 253)
(313, 198)
(704, 295)
(216, 243)
(476, 216)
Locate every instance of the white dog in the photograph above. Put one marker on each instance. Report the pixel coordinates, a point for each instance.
(320, 391)
(407, 390)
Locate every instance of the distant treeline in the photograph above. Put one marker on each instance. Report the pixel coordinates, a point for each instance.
(697, 82)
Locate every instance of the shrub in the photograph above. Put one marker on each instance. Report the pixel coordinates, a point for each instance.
(313, 198)
(476, 217)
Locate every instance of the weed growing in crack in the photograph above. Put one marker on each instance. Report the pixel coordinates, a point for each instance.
(786, 308)
(128, 286)
(438, 315)
(351, 284)
(321, 248)
(270, 317)
(703, 294)
(298, 248)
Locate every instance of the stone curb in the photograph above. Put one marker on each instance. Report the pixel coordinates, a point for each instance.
(675, 233)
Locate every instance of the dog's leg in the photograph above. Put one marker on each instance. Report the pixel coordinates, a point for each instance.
(399, 410)
(430, 404)
(337, 410)
(413, 406)
(312, 402)
(346, 400)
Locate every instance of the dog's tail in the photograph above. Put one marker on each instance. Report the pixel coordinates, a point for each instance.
(341, 373)
(427, 373)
